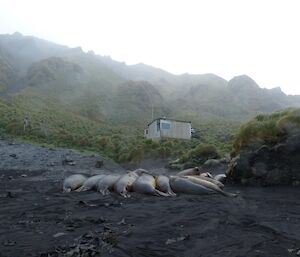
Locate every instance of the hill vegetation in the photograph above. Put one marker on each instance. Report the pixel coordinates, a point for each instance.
(268, 129)
(92, 102)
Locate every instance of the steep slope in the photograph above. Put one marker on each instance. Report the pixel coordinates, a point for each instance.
(134, 102)
(54, 73)
(24, 50)
(7, 72)
(25, 54)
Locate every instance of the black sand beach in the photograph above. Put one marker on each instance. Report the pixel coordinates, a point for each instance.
(37, 219)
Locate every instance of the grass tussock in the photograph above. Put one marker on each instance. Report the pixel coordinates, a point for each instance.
(200, 154)
(268, 129)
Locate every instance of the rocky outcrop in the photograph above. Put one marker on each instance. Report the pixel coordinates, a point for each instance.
(268, 165)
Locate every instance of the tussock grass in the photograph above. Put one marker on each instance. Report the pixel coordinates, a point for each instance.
(268, 129)
(200, 154)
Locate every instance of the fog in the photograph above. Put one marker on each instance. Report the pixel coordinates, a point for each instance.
(228, 38)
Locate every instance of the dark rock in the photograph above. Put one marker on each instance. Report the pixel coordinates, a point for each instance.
(266, 165)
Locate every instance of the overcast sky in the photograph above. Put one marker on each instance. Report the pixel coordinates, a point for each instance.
(260, 38)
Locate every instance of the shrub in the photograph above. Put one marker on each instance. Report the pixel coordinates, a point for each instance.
(200, 154)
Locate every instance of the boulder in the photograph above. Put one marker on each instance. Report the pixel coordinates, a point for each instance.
(268, 165)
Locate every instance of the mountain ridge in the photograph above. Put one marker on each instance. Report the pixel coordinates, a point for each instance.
(72, 75)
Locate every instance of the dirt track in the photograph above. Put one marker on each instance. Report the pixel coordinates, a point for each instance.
(37, 219)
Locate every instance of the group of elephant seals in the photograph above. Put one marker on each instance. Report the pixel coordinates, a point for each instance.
(190, 181)
(203, 179)
(73, 182)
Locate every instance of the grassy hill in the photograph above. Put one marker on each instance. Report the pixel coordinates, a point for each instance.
(83, 100)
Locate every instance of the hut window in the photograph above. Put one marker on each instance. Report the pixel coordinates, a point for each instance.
(158, 125)
(165, 125)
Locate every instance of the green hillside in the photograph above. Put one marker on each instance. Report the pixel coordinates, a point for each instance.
(91, 102)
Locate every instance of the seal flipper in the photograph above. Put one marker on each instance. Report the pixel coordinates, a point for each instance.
(125, 195)
(172, 193)
(80, 189)
(104, 191)
(159, 193)
(229, 194)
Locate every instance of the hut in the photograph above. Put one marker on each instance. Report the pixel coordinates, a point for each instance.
(168, 128)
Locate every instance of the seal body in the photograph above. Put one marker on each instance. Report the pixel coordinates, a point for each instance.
(124, 184)
(216, 182)
(106, 184)
(145, 184)
(73, 182)
(163, 185)
(90, 183)
(191, 171)
(209, 185)
(184, 185)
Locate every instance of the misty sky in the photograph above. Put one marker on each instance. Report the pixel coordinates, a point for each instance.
(260, 38)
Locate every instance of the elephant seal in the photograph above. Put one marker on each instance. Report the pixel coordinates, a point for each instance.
(90, 183)
(73, 182)
(216, 182)
(205, 175)
(106, 184)
(124, 184)
(184, 185)
(220, 177)
(209, 185)
(191, 171)
(145, 184)
(163, 185)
